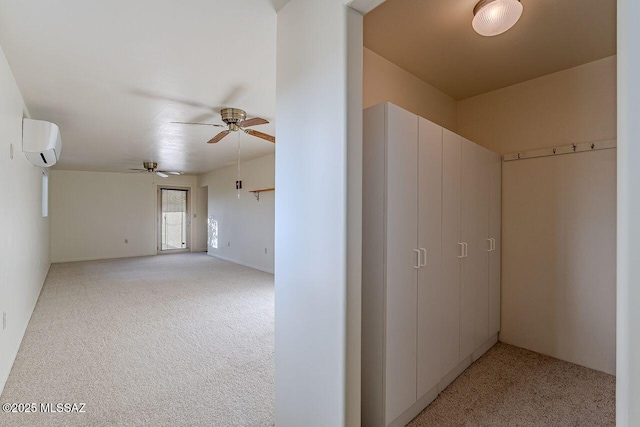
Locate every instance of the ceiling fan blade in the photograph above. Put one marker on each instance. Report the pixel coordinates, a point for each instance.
(162, 175)
(261, 135)
(253, 122)
(170, 173)
(200, 124)
(218, 137)
(138, 170)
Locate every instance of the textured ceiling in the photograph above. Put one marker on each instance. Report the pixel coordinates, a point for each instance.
(434, 40)
(113, 74)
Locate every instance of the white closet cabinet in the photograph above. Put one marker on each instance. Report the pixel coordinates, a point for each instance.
(495, 229)
(431, 261)
(403, 197)
(452, 250)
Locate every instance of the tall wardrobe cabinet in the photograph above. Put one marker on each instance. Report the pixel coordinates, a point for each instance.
(428, 302)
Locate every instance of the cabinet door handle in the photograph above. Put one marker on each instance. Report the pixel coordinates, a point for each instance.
(493, 244)
(466, 249)
(490, 240)
(419, 256)
(461, 250)
(424, 257)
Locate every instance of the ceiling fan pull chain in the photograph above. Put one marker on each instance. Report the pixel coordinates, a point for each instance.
(239, 182)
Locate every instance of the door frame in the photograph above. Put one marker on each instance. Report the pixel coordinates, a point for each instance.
(161, 187)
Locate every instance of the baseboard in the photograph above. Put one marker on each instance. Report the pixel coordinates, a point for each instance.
(431, 395)
(454, 373)
(242, 263)
(480, 351)
(416, 408)
(59, 261)
(5, 376)
(467, 361)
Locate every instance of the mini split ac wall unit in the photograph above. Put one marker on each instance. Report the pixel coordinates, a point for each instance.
(41, 142)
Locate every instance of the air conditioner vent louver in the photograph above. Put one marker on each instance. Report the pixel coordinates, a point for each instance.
(41, 142)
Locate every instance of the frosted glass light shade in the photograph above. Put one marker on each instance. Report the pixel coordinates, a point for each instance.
(493, 17)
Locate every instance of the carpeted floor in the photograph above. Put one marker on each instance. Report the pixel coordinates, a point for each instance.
(187, 339)
(510, 386)
(170, 340)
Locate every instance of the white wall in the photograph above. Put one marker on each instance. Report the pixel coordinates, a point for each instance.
(245, 225)
(24, 253)
(628, 372)
(92, 213)
(313, 201)
(558, 262)
(200, 226)
(385, 81)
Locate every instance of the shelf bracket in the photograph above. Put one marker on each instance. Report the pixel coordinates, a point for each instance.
(256, 193)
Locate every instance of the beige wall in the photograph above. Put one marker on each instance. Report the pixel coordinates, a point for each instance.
(92, 213)
(559, 214)
(24, 253)
(559, 257)
(575, 105)
(245, 225)
(385, 81)
(558, 286)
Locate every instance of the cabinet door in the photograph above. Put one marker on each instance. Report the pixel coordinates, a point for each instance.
(450, 289)
(469, 208)
(482, 246)
(401, 276)
(430, 242)
(495, 224)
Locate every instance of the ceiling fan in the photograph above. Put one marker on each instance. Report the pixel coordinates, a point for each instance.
(152, 167)
(235, 120)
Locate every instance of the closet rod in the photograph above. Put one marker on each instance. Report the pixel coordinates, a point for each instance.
(565, 149)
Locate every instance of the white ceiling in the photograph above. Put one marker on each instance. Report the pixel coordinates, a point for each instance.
(113, 74)
(434, 40)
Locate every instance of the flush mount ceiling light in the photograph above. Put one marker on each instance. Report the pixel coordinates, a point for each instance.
(493, 17)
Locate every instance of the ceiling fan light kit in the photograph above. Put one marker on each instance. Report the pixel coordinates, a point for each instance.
(494, 17)
(235, 120)
(152, 167)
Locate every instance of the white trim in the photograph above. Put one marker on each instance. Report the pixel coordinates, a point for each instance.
(241, 263)
(363, 6)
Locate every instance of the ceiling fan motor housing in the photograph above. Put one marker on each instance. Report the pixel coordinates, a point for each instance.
(150, 166)
(233, 116)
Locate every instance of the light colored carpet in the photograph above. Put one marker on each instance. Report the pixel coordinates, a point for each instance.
(170, 340)
(510, 386)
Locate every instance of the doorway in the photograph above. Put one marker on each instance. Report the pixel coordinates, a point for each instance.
(174, 225)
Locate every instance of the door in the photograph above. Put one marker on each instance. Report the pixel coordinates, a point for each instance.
(483, 246)
(451, 250)
(469, 261)
(495, 221)
(402, 261)
(430, 243)
(174, 223)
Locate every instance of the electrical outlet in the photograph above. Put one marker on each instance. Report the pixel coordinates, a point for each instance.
(265, 251)
(11, 151)
(229, 243)
(126, 240)
(4, 320)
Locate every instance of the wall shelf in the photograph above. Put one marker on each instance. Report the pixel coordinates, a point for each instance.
(262, 190)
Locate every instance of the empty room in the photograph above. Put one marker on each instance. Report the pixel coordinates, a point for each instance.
(319, 213)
